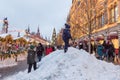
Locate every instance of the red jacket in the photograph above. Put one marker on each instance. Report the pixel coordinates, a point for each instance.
(48, 51)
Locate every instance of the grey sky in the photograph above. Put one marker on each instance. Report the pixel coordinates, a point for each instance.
(45, 13)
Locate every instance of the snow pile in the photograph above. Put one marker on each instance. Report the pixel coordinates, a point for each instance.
(73, 65)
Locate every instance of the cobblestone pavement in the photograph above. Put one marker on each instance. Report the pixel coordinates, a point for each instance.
(7, 71)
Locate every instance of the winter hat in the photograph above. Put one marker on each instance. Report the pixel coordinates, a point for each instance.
(67, 26)
(31, 47)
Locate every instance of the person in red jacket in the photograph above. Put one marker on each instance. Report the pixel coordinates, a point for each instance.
(48, 50)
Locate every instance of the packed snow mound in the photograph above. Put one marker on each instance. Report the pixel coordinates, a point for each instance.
(73, 65)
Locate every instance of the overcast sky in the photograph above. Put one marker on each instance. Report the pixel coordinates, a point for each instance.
(45, 13)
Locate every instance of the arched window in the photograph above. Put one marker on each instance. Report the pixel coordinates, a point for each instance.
(103, 19)
(113, 14)
(116, 12)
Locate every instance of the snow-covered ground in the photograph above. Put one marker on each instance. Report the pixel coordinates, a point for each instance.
(73, 65)
(11, 61)
(7, 62)
(13, 33)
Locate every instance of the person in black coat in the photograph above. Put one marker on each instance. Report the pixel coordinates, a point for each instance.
(39, 51)
(111, 51)
(66, 36)
(31, 59)
(80, 45)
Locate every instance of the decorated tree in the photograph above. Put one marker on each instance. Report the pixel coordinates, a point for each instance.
(54, 37)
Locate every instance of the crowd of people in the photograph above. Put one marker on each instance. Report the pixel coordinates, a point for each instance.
(35, 53)
(104, 51)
